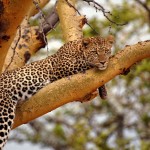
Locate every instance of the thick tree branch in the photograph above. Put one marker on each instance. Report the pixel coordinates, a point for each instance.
(79, 86)
(29, 40)
(71, 23)
(11, 16)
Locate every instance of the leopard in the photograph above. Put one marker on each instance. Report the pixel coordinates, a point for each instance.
(73, 57)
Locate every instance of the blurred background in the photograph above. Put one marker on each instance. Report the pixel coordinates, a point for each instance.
(122, 122)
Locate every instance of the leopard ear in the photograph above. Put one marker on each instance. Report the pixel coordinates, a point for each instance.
(110, 39)
(85, 42)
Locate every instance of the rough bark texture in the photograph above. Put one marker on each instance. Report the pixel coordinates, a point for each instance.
(12, 42)
(27, 42)
(11, 15)
(70, 22)
(79, 86)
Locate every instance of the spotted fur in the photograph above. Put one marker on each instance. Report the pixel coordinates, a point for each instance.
(20, 84)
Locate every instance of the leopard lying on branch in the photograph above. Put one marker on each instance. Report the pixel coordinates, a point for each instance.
(22, 83)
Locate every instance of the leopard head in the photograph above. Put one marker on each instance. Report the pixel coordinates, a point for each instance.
(97, 51)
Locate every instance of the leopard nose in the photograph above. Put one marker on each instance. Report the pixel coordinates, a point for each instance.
(102, 65)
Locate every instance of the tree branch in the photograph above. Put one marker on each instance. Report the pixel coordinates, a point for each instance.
(79, 86)
(26, 43)
(29, 40)
(51, 20)
(38, 3)
(10, 18)
(71, 23)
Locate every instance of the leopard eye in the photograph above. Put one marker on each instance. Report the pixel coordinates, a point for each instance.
(93, 50)
(108, 52)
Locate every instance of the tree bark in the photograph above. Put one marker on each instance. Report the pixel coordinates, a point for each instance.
(11, 15)
(79, 86)
(27, 41)
(70, 22)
